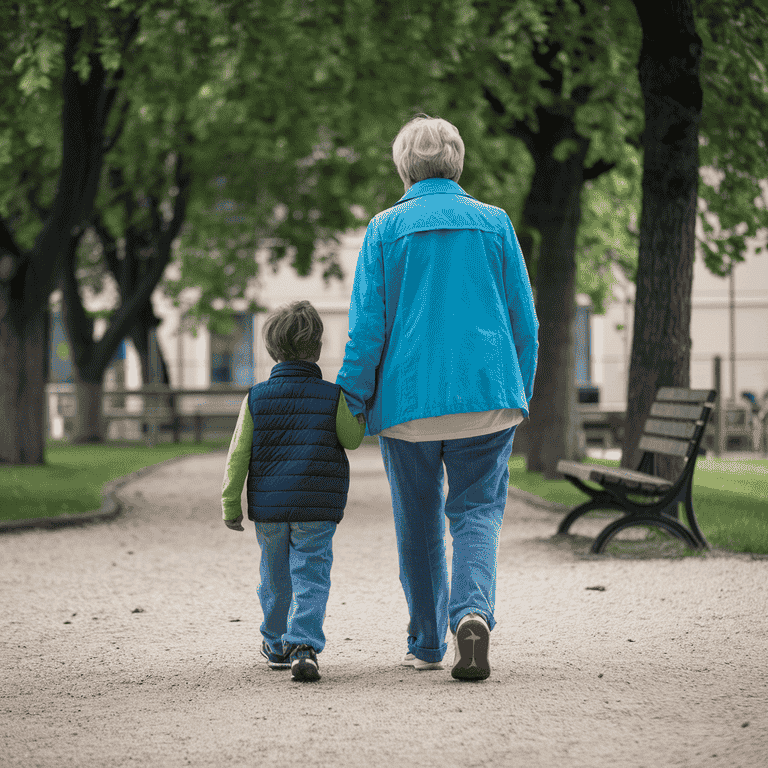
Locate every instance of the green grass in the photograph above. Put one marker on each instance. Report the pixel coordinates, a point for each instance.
(72, 479)
(730, 499)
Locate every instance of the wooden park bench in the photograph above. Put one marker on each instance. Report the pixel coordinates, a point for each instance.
(675, 427)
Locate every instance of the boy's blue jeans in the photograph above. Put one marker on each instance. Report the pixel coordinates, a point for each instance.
(295, 575)
(478, 481)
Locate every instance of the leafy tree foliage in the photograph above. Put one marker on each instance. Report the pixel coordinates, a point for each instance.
(734, 76)
(608, 234)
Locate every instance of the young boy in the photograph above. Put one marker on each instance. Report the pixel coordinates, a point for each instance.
(289, 440)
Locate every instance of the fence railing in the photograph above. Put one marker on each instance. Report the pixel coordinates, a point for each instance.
(158, 414)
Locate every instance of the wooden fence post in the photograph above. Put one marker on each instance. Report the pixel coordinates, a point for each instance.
(717, 377)
(151, 407)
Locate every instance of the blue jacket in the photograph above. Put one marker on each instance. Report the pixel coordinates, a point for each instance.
(299, 471)
(441, 318)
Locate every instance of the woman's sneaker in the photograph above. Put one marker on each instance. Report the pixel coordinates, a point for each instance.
(411, 661)
(275, 660)
(471, 642)
(304, 663)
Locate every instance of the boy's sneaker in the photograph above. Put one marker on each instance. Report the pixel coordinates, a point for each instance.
(471, 642)
(275, 660)
(411, 661)
(304, 663)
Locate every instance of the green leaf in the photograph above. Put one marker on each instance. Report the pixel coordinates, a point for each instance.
(564, 149)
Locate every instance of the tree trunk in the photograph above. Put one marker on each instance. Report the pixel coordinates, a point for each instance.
(139, 337)
(661, 343)
(88, 426)
(23, 348)
(553, 207)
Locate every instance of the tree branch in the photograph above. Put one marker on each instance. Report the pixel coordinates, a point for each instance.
(131, 29)
(108, 245)
(110, 141)
(31, 195)
(83, 125)
(8, 242)
(125, 316)
(79, 326)
(11, 261)
(598, 169)
(183, 184)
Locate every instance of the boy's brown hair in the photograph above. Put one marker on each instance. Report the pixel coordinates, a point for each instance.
(293, 332)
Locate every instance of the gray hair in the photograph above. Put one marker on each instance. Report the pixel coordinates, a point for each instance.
(426, 148)
(293, 332)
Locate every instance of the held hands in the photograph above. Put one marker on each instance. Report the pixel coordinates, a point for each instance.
(235, 525)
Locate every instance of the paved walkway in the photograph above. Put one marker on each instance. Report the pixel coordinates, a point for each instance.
(134, 642)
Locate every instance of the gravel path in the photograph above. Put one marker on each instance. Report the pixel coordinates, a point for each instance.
(134, 642)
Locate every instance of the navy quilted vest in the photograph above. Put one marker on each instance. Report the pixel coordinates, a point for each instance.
(299, 471)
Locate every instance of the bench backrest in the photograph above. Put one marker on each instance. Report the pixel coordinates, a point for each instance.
(676, 421)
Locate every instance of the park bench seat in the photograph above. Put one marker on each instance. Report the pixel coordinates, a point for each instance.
(675, 427)
(627, 478)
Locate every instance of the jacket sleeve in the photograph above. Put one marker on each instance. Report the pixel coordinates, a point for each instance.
(238, 462)
(367, 324)
(348, 429)
(522, 314)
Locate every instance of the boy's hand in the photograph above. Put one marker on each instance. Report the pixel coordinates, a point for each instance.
(235, 525)
(360, 418)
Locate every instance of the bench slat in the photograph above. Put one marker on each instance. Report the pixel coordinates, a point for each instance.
(674, 411)
(680, 395)
(628, 478)
(683, 429)
(665, 445)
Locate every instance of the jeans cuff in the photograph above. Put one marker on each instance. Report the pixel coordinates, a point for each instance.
(428, 654)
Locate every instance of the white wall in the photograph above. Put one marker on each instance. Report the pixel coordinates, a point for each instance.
(331, 302)
(710, 333)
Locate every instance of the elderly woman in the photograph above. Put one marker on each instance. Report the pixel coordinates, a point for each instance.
(440, 361)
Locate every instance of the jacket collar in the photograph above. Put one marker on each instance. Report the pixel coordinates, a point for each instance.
(434, 186)
(296, 368)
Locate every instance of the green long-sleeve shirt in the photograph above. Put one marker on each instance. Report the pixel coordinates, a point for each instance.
(349, 430)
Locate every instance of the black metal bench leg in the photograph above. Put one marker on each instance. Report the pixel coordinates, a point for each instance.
(603, 501)
(693, 524)
(669, 524)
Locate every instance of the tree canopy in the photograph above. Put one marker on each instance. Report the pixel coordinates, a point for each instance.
(231, 125)
(734, 76)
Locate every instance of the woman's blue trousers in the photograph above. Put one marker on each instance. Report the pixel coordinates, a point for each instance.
(478, 481)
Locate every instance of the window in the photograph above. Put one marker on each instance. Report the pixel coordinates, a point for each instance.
(59, 359)
(583, 373)
(586, 391)
(232, 356)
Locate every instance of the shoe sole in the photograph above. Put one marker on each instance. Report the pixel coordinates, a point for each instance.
(423, 666)
(305, 673)
(473, 640)
(275, 664)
